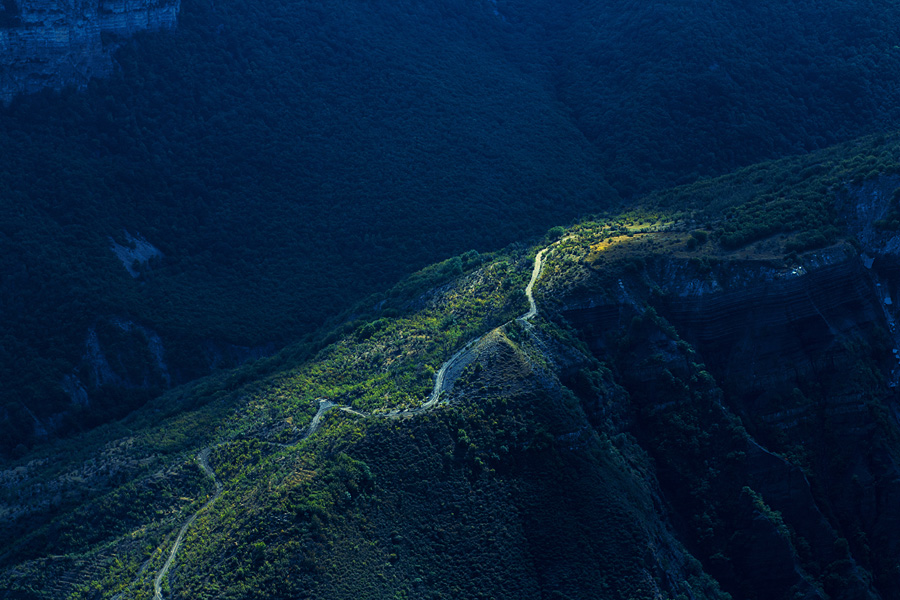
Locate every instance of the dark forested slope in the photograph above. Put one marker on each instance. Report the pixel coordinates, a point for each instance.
(284, 160)
(287, 159)
(669, 90)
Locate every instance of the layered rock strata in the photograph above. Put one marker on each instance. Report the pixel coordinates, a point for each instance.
(51, 44)
(768, 363)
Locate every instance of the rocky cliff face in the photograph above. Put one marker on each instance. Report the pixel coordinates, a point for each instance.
(765, 393)
(50, 44)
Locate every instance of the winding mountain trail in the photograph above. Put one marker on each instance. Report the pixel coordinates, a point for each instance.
(464, 355)
(203, 458)
(529, 289)
(324, 407)
(439, 381)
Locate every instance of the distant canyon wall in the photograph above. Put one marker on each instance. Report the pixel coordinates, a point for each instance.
(54, 43)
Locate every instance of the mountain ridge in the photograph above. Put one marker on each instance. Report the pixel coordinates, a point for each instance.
(614, 444)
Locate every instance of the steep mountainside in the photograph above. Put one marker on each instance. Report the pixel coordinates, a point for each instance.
(237, 181)
(697, 403)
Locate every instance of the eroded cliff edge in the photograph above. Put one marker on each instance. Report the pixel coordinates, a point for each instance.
(51, 44)
(764, 390)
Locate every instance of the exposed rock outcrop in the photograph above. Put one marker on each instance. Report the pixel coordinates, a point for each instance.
(134, 253)
(51, 44)
(736, 367)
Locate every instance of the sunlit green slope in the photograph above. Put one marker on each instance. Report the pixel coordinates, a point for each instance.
(700, 405)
